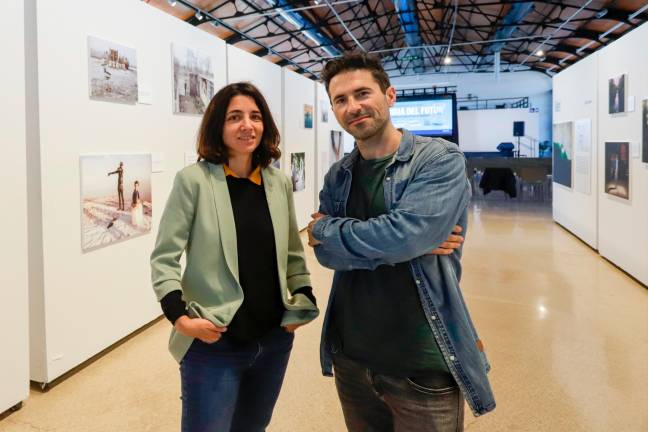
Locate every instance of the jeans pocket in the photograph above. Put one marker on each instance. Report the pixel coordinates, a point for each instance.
(432, 387)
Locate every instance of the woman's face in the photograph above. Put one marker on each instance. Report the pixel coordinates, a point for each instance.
(243, 127)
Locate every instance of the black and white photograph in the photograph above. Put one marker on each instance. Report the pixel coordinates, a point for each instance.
(115, 198)
(324, 111)
(336, 147)
(617, 169)
(112, 71)
(298, 171)
(616, 89)
(193, 80)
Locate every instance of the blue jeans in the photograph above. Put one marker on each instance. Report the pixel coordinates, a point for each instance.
(228, 387)
(374, 402)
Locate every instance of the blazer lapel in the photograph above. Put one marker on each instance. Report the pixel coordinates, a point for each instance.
(226, 224)
(278, 205)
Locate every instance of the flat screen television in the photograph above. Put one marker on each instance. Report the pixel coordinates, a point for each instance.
(434, 116)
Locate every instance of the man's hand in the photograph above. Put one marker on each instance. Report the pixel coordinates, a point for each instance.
(311, 240)
(199, 328)
(453, 242)
(290, 328)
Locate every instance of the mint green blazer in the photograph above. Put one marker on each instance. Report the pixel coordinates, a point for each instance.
(198, 220)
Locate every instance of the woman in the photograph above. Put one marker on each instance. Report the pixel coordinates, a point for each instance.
(137, 212)
(245, 288)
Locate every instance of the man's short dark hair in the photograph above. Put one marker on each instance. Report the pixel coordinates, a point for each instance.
(356, 61)
(210, 136)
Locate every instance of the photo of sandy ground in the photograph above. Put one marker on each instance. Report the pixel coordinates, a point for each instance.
(193, 80)
(115, 198)
(112, 71)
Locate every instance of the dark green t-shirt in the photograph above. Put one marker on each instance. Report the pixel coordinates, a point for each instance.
(377, 315)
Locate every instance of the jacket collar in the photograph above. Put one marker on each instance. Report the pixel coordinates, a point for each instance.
(403, 154)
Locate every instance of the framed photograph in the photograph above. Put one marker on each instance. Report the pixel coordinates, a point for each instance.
(112, 71)
(617, 169)
(336, 149)
(115, 198)
(617, 94)
(324, 111)
(644, 127)
(298, 171)
(308, 116)
(563, 149)
(193, 80)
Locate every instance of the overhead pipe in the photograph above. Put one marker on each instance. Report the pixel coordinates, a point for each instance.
(406, 10)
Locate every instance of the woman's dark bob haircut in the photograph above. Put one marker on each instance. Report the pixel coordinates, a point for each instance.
(210, 136)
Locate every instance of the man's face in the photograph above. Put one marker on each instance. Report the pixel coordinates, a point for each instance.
(359, 105)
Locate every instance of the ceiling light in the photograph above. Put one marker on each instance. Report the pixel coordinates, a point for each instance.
(199, 16)
(447, 60)
(539, 53)
(172, 3)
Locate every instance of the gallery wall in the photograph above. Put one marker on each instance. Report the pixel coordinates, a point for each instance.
(14, 360)
(575, 99)
(328, 151)
(299, 142)
(483, 130)
(623, 223)
(243, 66)
(82, 302)
(606, 219)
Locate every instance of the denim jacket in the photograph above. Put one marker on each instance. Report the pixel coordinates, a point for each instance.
(426, 192)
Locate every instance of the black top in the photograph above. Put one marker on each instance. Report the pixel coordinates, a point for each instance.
(262, 308)
(377, 315)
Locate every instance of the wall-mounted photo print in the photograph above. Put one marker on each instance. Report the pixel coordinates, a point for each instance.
(324, 111)
(112, 71)
(115, 198)
(336, 149)
(644, 127)
(617, 169)
(298, 171)
(563, 149)
(617, 91)
(193, 80)
(308, 116)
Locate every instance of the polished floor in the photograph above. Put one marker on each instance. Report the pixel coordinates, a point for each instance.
(566, 332)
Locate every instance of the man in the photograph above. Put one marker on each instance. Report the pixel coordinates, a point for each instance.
(397, 331)
(120, 185)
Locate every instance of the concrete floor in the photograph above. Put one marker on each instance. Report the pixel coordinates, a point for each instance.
(565, 331)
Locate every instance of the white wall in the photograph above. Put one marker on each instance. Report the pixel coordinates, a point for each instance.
(14, 360)
(575, 92)
(325, 154)
(298, 91)
(83, 303)
(623, 225)
(483, 130)
(243, 66)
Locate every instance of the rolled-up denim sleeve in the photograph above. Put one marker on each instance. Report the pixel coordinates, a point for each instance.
(430, 206)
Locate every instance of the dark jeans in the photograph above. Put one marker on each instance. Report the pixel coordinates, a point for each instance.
(374, 402)
(231, 387)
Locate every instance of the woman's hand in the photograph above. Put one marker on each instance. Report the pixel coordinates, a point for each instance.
(199, 328)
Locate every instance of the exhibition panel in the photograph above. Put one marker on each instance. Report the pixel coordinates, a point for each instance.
(117, 119)
(623, 177)
(299, 141)
(575, 108)
(330, 139)
(14, 360)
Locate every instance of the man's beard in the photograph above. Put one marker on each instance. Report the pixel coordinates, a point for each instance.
(368, 131)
